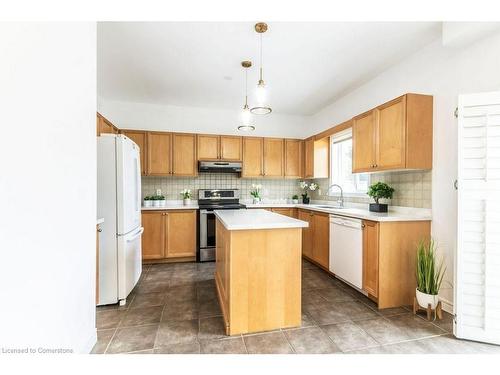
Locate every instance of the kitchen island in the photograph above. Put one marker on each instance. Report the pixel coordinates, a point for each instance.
(258, 270)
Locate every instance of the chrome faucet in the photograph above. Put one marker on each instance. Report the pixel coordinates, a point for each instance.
(340, 201)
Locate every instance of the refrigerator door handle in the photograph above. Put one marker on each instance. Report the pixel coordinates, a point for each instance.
(141, 231)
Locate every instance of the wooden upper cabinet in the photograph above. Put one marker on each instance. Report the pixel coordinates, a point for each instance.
(181, 234)
(140, 138)
(230, 147)
(252, 157)
(273, 157)
(293, 158)
(184, 155)
(363, 145)
(309, 158)
(154, 236)
(208, 147)
(390, 148)
(105, 126)
(394, 136)
(321, 239)
(370, 257)
(159, 151)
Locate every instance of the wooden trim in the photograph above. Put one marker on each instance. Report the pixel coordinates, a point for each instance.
(333, 130)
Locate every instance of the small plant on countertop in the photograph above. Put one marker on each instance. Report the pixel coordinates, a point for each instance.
(305, 186)
(295, 198)
(378, 191)
(148, 201)
(255, 193)
(186, 194)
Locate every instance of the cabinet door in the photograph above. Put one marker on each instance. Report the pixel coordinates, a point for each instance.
(306, 233)
(363, 142)
(208, 147)
(309, 158)
(321, 239)
(284, 211)
(273, 157)
(153, 238)
(106, 127)
(370, 257)
(140, 138)
(159, 153)
(181, 233)
(391, 135)
(184, 155)
(293, 158)
(252, 157)
(230, 147)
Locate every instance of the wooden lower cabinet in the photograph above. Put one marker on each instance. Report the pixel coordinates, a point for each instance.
(321, 239)
(168, 234)
(370, 258)
(306, 233)
(288, 211)
(389, 250)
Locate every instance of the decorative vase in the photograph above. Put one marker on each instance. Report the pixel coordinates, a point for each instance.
(378, 207)
(186, 201)
(156, 203)
(256, 200)
(425, 299)
(306, 200)
(163, 203)
(295, 201)
(148, 203)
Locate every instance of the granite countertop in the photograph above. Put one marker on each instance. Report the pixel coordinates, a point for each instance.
(256, 219)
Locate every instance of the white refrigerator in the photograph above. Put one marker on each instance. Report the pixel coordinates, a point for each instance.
(119, 203)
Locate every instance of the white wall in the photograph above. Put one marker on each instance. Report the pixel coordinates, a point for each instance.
(444, 73)
(48, 185)
(130, 115)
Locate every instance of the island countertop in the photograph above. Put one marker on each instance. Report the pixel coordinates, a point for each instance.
(256, 219)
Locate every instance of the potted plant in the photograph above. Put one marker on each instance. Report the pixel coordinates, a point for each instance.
(255, 193)
(158, 200)
(148, 202)
(186, 197)
(305, 186)
(377, 191)
(295, 199)
(429, 274)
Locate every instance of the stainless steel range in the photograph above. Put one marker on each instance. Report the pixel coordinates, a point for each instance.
(208, 201)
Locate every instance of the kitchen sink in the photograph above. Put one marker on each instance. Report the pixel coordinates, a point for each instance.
(330, 207)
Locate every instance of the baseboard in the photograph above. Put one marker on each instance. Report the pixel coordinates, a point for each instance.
(446, 305)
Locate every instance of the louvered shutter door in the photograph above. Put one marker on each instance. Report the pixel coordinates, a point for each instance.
(477, 273)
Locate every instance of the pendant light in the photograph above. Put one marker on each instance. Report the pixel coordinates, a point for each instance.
(261, 92)
(246, 116)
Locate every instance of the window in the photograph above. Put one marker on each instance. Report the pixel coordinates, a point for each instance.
(341, 166)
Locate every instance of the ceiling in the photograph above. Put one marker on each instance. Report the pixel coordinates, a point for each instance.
(197, 64)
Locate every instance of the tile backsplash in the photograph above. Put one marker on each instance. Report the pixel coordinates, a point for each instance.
(172, 186)
(412, 189)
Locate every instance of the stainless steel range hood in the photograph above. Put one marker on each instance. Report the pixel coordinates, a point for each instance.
(219, 166)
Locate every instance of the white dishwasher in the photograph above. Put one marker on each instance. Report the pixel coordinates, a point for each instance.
(346, 249)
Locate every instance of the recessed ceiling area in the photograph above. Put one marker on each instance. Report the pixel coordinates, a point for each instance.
(198, 64)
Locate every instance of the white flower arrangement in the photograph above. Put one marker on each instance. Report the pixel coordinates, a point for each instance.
(186, 194)
(313, 186)
(256, 190)
(303, 185)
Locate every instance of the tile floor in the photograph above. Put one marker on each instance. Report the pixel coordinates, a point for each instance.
(174, 309)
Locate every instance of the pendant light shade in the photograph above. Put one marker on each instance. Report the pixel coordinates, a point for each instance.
(246, 115)
(261, 90)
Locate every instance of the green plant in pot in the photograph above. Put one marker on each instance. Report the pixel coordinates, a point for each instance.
(148, 202)
(295, 199)
(378, 191)
(429, 274)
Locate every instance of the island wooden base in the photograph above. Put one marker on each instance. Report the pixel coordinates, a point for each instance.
(258, 278)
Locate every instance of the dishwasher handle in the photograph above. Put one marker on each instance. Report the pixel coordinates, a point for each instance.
(346, 222)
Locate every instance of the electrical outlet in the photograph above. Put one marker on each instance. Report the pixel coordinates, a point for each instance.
(158, 191)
